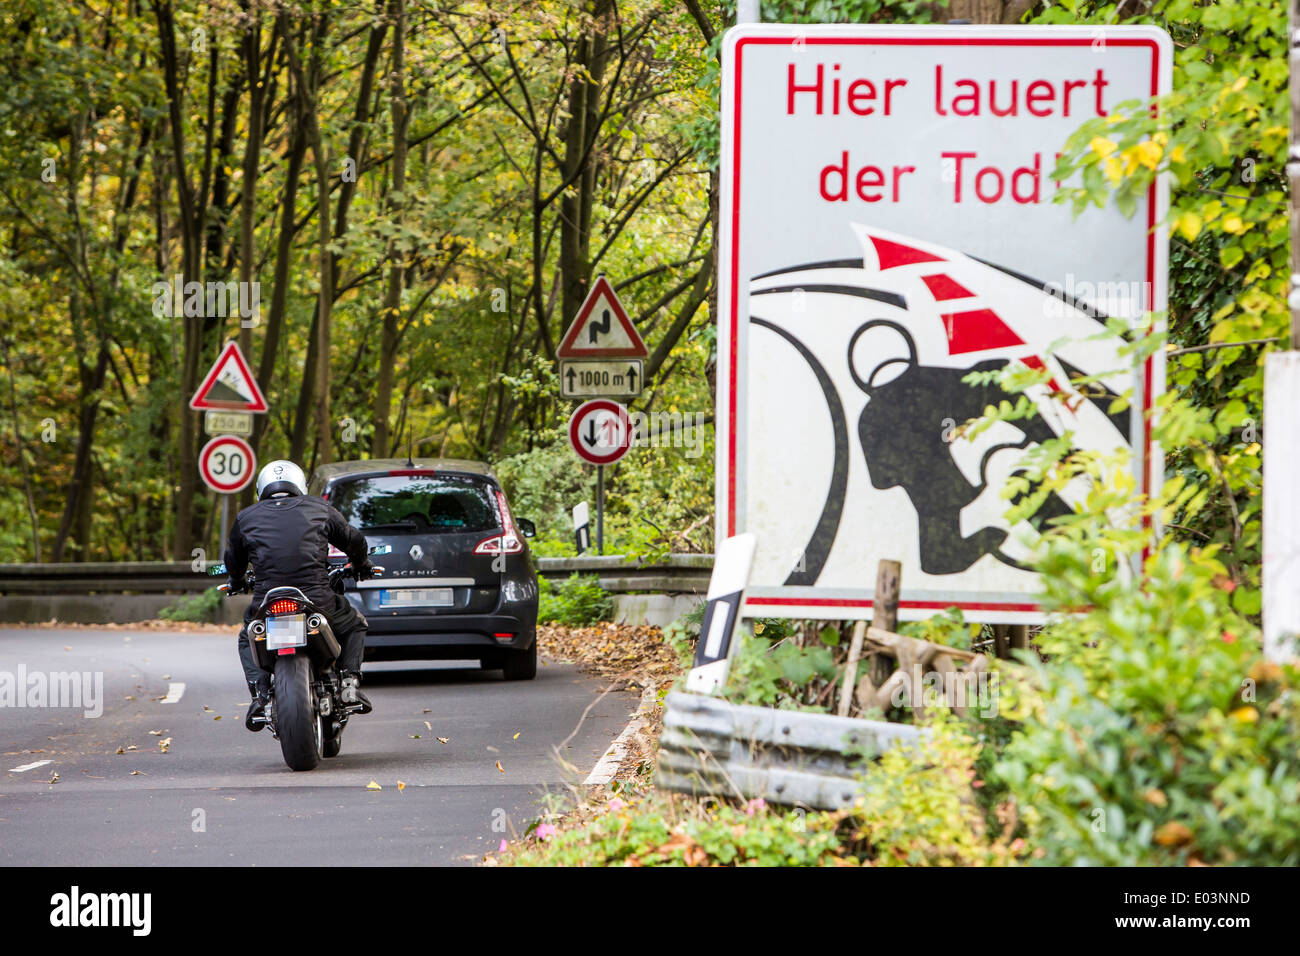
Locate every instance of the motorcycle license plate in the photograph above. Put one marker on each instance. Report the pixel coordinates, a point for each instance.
(287, 631)
(416, 597)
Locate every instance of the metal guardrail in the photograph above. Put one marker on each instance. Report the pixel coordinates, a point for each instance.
(710, 746)
(674, 574)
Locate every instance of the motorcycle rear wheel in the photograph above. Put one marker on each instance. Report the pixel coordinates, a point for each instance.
(296, 720)
(333, 741)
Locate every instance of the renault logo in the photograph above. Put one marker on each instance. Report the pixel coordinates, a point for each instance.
(417, 552)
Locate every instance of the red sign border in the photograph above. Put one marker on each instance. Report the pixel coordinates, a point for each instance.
(200, 402)
(568, 350)
(733, 274)
(203, 464)
(595, 404)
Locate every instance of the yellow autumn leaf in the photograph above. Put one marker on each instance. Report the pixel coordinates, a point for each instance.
(400, 786)
(1240, 85)
(1245, 715)
(372, 785)
(501, 768)
(1114, 171)
(1149, 153)
(1102, 146)
(1234, 225)
(1189, 224)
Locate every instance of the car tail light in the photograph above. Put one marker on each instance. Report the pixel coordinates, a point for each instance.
(509, 541)
(503, 636)
(284, 607)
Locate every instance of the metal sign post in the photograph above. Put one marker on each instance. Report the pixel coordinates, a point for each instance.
(600, 509)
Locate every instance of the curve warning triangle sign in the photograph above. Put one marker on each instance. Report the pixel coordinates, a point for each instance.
(229, 386)
(602, 328)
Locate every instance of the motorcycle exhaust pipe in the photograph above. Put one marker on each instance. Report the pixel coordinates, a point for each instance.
(257, 627)
(317, 623)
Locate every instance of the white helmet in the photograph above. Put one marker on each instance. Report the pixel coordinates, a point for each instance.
(280, 478)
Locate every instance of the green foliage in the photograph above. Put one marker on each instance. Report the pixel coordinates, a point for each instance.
(664, 831)
(684, 633)
(578, 601)
(1221, 135)
(948, 627)
(1158, 734)
(920, 807)
(199, 608)
(917, 809)
(771, 670)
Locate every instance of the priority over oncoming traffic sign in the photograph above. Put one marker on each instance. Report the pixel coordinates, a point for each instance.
(888, 229)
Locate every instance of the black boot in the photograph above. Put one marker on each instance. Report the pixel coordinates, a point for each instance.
(255, 720)
(351, 692)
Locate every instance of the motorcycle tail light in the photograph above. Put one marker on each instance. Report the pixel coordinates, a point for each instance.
(284, 607)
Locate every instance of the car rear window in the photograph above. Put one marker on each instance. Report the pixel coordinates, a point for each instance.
(402, 504)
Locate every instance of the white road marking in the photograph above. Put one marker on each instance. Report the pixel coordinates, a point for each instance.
(29, 766)
(607, 766)
(174, 693)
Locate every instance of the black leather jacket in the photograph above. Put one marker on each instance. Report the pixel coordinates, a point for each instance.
(287, 542)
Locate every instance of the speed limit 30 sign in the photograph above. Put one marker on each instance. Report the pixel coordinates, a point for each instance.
(227, 464)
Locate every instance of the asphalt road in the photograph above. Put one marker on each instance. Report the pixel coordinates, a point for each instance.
(220, 795)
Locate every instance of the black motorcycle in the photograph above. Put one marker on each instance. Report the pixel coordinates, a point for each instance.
(291, 637)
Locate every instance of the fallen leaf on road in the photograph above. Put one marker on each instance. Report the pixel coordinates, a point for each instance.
(129, 697)
(400, 786)
(120, 750)
(54, 779)
(501, 768)
(414, 736)
(492, 749)
(373, 786)
(516, 736)
(133, 747)
(426, 711)
(428, 726)
(218, 717)
(165, 745)
(167, 676)
(66, 647)
(156, 733)
(137, 773)
(207, 709)
(443, 740)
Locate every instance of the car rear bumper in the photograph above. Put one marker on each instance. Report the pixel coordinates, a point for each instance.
(445, 637)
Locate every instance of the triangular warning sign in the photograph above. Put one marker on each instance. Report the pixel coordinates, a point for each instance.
(229, 385)
(602, 329)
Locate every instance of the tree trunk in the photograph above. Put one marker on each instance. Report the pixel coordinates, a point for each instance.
(381, 441)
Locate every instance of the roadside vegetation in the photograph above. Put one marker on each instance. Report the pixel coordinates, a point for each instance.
(1147, 729)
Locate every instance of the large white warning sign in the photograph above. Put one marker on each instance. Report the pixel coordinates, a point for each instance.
(887, 229)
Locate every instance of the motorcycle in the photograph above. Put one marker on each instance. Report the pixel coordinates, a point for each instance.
(291, 637)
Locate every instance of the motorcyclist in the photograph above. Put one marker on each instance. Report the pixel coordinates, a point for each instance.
(286, 536)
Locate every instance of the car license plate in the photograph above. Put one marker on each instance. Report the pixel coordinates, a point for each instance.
(417, 597)
(287, 631)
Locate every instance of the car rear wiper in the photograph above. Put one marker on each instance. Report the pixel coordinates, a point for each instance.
(391, 524)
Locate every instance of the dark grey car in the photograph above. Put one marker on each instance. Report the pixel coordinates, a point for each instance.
(460, 582)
